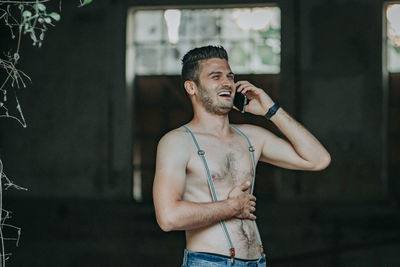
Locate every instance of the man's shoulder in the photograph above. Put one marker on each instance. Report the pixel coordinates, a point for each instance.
(176, 136)
(172, 147)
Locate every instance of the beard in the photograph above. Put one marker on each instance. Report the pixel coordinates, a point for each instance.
(213, 106)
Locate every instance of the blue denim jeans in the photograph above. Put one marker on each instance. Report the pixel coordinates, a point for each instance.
(197, 259)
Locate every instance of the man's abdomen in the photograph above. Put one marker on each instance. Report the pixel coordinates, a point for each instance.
(212, 239)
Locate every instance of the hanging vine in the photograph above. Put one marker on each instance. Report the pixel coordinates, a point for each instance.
(21, 18)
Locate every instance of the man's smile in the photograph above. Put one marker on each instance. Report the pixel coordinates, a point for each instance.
(225, 93)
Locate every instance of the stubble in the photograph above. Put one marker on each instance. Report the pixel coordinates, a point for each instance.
(212, 106)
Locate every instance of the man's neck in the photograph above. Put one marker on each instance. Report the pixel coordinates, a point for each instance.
(211, 123)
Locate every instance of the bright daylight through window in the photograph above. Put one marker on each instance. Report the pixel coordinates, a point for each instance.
(159, 38)
(393, 35)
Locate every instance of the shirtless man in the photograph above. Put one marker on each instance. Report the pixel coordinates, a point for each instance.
(181, 192)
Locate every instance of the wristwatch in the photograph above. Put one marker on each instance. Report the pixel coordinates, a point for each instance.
(272, 110)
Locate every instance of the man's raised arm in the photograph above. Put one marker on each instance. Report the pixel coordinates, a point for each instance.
(302, 152)
(174, 213)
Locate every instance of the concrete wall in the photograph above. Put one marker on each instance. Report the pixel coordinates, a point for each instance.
(341, 95)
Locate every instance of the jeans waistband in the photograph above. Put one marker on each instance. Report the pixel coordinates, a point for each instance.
(190, 257)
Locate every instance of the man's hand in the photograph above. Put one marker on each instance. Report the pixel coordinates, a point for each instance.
(243, 203)
(259, 103)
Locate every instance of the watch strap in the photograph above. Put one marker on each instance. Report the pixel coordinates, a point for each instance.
(272, 110)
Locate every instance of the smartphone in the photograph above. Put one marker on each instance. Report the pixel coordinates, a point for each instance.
(240, 101)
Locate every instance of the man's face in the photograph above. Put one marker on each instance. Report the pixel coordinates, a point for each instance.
(216, 86)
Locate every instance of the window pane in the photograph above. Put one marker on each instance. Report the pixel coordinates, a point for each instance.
(393, 34)
(148, 58)
(250, 35)
(148, 26)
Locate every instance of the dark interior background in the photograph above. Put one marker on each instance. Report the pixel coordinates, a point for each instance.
(76, 156)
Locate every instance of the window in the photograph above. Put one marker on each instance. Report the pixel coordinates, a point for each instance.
(250, 35)
(393, 37)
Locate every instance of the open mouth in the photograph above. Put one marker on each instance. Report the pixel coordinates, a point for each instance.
(225, 94)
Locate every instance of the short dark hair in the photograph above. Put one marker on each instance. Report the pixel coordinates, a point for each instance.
(190, 61)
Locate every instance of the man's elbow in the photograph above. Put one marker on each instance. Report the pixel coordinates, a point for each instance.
(323, 162)
(166, 227)
(166, 223)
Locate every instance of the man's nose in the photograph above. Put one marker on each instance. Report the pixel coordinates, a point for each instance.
(227, 82)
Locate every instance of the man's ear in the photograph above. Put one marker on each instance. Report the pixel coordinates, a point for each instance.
(190, 87)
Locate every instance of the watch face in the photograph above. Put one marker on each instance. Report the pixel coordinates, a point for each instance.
(240, 101)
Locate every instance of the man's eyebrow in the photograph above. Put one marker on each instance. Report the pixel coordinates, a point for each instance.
(214, 72)
(220, 72)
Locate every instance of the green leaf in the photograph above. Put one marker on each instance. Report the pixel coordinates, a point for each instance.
(85, 2)
(40, 6)
(55, 16)
(26, 14)
(47, 20)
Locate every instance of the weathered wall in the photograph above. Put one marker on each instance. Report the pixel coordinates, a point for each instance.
(341, 95)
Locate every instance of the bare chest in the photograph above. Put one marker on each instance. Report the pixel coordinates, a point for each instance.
(229, 164)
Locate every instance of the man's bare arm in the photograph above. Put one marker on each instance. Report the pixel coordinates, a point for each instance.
(172, 212)
(302, 152)
(311, 154)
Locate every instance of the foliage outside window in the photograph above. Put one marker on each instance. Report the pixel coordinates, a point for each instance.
(161, 37)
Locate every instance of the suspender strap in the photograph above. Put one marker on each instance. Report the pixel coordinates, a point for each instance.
(251, 149)
(212, 190)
